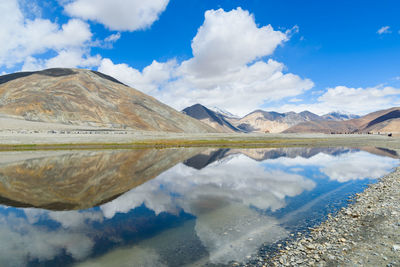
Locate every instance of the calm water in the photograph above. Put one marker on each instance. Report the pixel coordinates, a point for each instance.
(170, 207)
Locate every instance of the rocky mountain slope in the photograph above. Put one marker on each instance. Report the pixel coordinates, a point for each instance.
(216, 120)
(88, 98)
(384, 121)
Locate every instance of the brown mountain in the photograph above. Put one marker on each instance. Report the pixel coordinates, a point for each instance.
(88, 98)
(385, 121)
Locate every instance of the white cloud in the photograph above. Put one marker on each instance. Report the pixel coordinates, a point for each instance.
(29, 38)
(383, 30)
(353, 100)
(65, 59)
(113, 37)
(73, 58)
(150, 80)
(227, 67)
(129, 15)
(227, 41)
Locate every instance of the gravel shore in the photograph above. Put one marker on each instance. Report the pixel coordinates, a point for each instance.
(366, 233)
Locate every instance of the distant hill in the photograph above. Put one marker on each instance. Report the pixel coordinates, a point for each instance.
(272, 122)
(212, 118)
(385, 121)
(88, 98)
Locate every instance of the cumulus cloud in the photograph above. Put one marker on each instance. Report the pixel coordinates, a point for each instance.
(150, 80)
(228, 65)
(383, 30)
(121, 15)
(353, 100)
(65, 59)
(229, 40)
(28, 38)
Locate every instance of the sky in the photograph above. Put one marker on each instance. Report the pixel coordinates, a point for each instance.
(237, 55)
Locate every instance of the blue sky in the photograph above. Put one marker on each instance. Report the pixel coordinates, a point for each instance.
(237, 55)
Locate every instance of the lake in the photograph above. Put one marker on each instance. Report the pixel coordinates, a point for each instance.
(171, 207)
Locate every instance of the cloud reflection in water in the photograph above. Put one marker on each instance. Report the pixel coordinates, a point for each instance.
(227, 199)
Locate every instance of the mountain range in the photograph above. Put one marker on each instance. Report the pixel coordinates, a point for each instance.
(62, 97)
(260, 121)
(383, 121)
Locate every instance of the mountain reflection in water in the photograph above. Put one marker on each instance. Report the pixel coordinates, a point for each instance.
(144, 207)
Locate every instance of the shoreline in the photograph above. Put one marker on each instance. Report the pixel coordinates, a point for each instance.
(135, 140)
(364, 233)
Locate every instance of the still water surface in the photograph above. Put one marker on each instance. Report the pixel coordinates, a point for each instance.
(170, 207)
